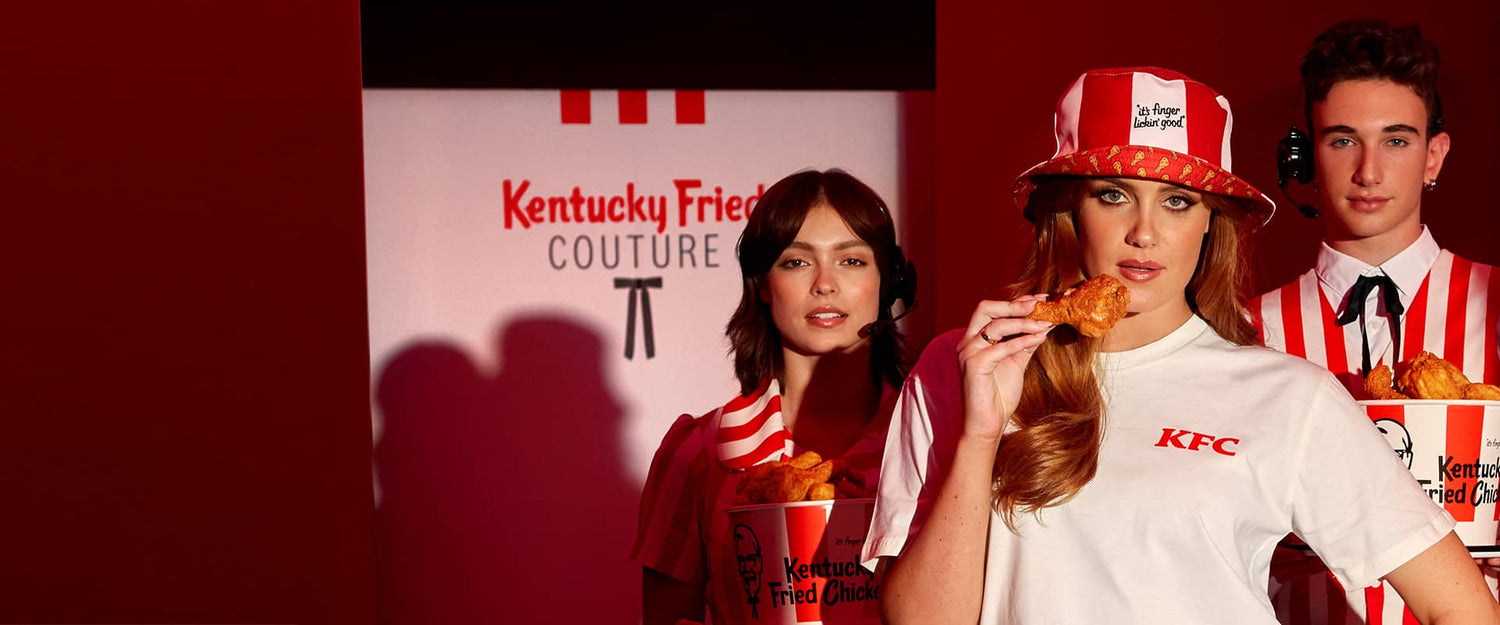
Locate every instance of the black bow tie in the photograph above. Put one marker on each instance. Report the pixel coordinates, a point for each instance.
(1355, 309)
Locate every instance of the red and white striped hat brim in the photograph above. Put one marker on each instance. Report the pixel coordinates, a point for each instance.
(1149, 123)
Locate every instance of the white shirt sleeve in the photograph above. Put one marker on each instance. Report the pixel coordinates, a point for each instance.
(1353, 501)
(919, 446)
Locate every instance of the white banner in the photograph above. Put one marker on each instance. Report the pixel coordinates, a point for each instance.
(549, 275)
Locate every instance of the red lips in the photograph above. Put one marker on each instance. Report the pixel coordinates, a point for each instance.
(826, 317)
(1139, 270)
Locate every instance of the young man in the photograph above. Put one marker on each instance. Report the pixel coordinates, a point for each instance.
(1382, 289)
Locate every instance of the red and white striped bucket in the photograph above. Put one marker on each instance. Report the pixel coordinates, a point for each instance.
(799, 563)
(1453, 449)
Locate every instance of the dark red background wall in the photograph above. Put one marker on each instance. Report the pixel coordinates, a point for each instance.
(185, 388)
(1001, 67)
(184, 381)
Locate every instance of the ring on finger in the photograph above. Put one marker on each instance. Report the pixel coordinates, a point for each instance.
(987, 338)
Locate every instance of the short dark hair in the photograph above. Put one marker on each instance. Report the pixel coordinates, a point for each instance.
(773, 225)
(1373, 50)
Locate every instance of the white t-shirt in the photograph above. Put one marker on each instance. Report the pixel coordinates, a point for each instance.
(1212, 452)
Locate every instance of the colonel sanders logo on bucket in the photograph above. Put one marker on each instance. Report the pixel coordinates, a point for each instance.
(1398, 437)
(747, 556)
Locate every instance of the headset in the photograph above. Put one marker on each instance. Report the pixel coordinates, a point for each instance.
(898, 284)
(1294, 161)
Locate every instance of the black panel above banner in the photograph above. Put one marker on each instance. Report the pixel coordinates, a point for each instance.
(565, 45)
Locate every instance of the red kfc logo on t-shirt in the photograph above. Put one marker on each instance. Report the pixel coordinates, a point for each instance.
(1173, 437)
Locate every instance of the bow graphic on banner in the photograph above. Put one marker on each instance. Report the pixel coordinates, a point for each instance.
(643, 286)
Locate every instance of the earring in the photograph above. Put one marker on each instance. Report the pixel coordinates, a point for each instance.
(1430, 185)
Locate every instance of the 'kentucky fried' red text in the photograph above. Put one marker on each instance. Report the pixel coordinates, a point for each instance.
(629, 207)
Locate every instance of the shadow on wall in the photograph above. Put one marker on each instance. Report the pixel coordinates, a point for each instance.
(504, 498)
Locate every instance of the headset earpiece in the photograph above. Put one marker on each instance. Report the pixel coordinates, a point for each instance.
(1294, 161)
(1294, 158)
(902, 281)
(899, 283)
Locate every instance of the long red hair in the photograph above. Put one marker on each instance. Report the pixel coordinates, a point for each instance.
(1060, 419)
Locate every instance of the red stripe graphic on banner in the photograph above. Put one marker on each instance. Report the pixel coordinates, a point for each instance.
(1375, 604)
(575, 106)
(690, 108)
(632, 106)
(1415, 322)
(1205, 129)
(1465, 431)
(1333, 337)
(1291, 319)
(1458, 308)
(805, 527)
(1108, 123)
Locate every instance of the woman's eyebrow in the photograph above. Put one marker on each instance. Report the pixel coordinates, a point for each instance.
(840, 246)
(844, 245)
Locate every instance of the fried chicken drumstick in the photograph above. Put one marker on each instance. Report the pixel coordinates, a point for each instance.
(1092, 307)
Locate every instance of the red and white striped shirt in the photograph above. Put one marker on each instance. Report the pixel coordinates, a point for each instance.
(1452, 310)
(684, 528)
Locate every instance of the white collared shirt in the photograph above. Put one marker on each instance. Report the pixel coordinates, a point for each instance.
(1452, 305)
(1338, 271)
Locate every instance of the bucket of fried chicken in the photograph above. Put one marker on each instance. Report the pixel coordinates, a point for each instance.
(796, 531)
(1447, 431)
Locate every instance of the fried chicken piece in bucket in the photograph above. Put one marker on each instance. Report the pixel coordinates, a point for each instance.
(1428, 377)
(1092, 307)
(1378, 383)
(803, 477)
(1482, 391)
(821, 492)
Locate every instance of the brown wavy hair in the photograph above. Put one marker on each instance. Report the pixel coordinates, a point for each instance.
(1060, 418)
(773, 225)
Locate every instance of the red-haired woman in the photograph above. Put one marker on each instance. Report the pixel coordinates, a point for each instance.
(1042, 476)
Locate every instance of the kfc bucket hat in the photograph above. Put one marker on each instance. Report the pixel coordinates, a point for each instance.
(1149, 123)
